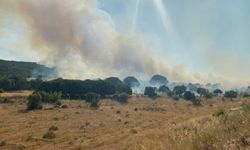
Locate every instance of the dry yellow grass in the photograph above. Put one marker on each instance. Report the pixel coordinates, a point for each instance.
(142, 124)
(16, 94)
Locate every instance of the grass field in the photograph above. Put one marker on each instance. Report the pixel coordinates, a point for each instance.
(142, 124)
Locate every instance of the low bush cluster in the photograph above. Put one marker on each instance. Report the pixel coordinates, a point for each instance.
(36, 100)
(93, 99)
(121, 97)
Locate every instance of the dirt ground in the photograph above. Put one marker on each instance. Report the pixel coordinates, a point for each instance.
(142, 124)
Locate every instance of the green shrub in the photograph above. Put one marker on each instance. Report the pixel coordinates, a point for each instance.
(245, 95)
(1, 90)
(196, 102)
(121, 97)
(50, 97)
(93, 99)
(189, 95)
(220, 112)
(34, 102)
(49, 135)
(176, 98)
(231, 94)
(5, 100)
(64, 106)
(150, 92)
(246, 106)
(53, 128)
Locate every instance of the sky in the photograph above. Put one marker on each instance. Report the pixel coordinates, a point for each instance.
(192, 40)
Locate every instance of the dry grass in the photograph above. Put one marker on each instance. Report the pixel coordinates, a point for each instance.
(142, 124)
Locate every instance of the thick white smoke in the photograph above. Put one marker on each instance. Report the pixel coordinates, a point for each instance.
(80, 40)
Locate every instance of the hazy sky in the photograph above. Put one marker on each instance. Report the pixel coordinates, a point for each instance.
(208, 38)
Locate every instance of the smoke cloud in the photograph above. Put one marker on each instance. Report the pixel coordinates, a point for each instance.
(76, 36)
(82, 42)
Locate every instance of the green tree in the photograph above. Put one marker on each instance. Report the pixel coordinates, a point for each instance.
(158, 80)
(189, 95)
(217, 92)
(231, 94)
(131, 81)
(150, 92)
(204, 93)
(179, 90)
(164, 89)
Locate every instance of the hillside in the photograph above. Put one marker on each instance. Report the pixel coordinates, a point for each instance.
(24, 69)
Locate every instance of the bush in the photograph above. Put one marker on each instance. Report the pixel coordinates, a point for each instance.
(53, 128)
(196, 102)
(164, 89)
(1, 90)
(50, 97)
(218, 92)
(176, 98)
(204, 93)
(34, 102)
(150, 92)
(231, 94)
(189, 95)
(121, 97)
(49, 135)
(93, 99)
(179, 90)
(5, 100)
(245, 95)
(220, 112)
(246, 106)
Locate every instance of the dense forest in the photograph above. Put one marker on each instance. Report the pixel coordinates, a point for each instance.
(24, 69)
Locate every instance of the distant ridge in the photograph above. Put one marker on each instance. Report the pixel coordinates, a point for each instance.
(24, 69)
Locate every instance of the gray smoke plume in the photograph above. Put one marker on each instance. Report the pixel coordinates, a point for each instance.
(77, 37)
(81, 41)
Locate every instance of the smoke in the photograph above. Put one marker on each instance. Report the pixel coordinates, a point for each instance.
(76, 36)
(81, 41)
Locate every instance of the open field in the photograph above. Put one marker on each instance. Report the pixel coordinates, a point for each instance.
(142, 124)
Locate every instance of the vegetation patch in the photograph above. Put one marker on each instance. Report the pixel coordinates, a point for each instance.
(93, 99)
(34, 102)
(220, 112)
(49, 135)
(246, 106)
(121, 98)
(226, 132)
(150, 92)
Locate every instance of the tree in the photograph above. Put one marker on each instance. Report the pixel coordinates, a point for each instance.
(158, 80)
(231, 94)
(204, 93)
(131, 82)
(34, 84)
(179, 90)
(119, 85)
(164, 89)
(150, 92)
(217, 92)
(189, 95)
(77, 89)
